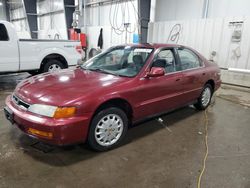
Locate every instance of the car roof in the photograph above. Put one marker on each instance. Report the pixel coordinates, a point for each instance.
(152, 45)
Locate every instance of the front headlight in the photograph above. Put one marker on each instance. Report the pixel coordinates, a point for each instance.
(41, 109)
(52, 111)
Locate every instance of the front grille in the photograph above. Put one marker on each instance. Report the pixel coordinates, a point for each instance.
(20, 102)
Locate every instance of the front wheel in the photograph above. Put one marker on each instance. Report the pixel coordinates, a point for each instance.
(204, 98)
(107, 129)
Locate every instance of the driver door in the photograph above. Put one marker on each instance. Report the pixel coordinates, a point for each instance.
(156, 95)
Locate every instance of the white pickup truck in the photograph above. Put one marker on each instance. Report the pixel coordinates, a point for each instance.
(18, 55)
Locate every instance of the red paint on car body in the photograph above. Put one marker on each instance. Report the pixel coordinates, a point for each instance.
(87, 90)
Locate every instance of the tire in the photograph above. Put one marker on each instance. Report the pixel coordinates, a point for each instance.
(103, 136)
(53, 65)
(204, 98)
(33, 72)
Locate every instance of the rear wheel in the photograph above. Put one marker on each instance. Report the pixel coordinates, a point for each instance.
(53, 65)
(204, 98)
(33, 72)
(107, 129)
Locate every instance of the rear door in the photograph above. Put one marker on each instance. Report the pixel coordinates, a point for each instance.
(9, 58)
(193, 74)
(160, 94)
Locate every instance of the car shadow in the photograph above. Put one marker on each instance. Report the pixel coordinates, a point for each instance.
(65, 156)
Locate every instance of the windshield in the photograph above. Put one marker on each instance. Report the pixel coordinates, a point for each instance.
(121, 61)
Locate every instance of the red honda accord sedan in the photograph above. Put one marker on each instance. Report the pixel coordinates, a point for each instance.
(97, 101)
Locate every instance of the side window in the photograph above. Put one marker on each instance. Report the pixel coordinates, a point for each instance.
(3, 33)
(188, 59)
(165, 59)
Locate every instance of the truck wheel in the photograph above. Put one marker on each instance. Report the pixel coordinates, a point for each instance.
(204, 98)
(53, 65)
(107, 129)
(33, 72)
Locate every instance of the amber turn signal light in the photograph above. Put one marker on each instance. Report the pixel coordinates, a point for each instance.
(40, 133)
(64, 112)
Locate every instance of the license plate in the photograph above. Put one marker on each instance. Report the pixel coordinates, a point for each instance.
(9, 114)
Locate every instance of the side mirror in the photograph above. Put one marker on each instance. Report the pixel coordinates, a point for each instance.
(156, 72)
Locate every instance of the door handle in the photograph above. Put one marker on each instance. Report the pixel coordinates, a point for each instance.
(178, 79)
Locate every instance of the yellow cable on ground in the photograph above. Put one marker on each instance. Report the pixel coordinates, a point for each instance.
(206, 154)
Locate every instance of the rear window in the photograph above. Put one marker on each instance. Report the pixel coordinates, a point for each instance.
(3, 33)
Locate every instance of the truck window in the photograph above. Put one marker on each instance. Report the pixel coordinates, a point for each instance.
(3, 33)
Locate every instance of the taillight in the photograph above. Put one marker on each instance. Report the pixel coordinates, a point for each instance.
(79, 49)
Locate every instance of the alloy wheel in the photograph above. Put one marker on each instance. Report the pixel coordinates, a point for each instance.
(108, 130)
(206, 96)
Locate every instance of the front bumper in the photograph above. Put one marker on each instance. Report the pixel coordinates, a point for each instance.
(64, 131)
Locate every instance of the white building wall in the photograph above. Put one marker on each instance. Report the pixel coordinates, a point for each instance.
(207, 36)
(166, 10)
(19, 20)
(213, 34)
(225, 8)
(98, 17)
(51, 25)
(2, 10)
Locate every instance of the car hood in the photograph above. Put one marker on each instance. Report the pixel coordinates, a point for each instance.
(65, 87)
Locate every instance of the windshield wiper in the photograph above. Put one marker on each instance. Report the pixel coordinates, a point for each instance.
(101, 70)
(98, 70)
(104, 71)
(93, 69)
